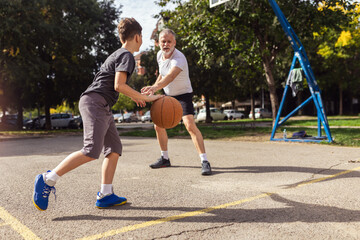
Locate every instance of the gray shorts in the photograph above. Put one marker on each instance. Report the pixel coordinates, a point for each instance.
(100, 132)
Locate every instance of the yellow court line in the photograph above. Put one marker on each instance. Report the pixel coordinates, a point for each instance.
(198, 212)
(3, 224)
(20, 228)
(172, 218)
(328, 177)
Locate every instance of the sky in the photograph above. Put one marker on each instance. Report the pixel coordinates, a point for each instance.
(143, 11)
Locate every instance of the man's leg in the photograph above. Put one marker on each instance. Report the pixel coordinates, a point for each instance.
(195, 133)
(162, 138)
(198, 141)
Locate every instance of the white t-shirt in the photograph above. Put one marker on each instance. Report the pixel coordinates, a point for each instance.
(181, 84)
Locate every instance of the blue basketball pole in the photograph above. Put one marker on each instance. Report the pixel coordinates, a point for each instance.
(301, 57)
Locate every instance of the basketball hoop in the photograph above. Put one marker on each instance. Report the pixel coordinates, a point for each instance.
(301, 57)
(214, 3)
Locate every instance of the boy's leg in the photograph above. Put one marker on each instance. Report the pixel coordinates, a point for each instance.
(71, 162)
(108, 168)
(162, 138)
(198, 141)
(112, 151)
(95, 113)
(44, 183)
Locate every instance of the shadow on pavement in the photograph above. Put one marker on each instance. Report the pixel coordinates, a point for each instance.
(292, 212)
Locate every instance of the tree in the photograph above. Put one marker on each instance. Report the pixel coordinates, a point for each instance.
(234, 28)
(196, 39)
(48, 48)
(339, 51)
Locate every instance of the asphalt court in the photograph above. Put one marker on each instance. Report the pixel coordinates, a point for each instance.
(259, 190)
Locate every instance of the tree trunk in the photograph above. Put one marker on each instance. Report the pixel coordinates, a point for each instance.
(299, 101)
(47, 117)
(207, 104)
(20, 118)
(340, 100)
(252, 104)
(272, 88)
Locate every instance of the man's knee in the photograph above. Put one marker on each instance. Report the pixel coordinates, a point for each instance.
(158, 129)
(191, 128)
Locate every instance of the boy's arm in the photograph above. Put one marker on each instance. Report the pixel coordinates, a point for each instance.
(121, 87)
(162, 82)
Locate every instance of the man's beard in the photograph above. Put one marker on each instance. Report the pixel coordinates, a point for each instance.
(169, 53)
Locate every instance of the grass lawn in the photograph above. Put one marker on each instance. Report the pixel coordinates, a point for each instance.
(344, 130)
(235, 130)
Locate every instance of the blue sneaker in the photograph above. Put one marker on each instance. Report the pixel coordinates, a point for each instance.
(104, 201)
(42, 192)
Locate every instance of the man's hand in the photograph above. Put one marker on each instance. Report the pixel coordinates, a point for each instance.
(149, 90)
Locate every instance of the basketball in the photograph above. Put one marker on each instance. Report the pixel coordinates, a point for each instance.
(166, 112)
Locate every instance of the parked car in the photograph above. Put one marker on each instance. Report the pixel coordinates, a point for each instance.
(58, 120)
(261, 113)
(234, 114)
(77, 123)
(146, 117)
(215, 115)
(32, 123)
(128, 117)
(9, 119)
(117, 116)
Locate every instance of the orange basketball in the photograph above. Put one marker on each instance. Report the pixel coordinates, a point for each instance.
(166, 112)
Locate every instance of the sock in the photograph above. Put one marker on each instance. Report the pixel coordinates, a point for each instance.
(51, 178)
(165, 154)
(106, 189)
(203, 157)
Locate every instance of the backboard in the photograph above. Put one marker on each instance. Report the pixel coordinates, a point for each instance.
(214, 3)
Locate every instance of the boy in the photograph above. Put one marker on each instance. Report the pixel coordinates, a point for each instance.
(99, 128)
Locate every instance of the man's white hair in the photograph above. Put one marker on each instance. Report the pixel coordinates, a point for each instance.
(167, 31)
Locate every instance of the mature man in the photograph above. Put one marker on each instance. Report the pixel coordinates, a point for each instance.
(174, 80)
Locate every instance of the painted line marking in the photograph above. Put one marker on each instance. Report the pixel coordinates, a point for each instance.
(198, 212)
(20, 228)
(3, 224)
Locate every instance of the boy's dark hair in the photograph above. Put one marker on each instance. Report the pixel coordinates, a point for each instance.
(128, 28)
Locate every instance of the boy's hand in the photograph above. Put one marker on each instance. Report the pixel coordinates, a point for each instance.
(139, 102)
(153, 98)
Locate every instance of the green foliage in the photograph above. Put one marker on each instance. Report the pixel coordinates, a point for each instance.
(47, 49)
(123, 102)
(339, 51)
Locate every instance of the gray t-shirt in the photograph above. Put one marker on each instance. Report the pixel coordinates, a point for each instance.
(119, 61)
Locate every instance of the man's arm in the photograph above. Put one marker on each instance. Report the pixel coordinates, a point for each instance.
(121, 87)
(162, 82)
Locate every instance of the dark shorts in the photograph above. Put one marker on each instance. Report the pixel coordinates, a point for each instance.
(186, 103)
(100, 132)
